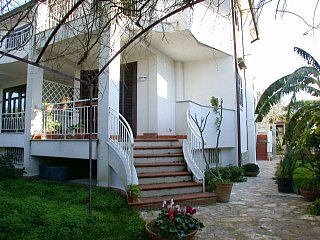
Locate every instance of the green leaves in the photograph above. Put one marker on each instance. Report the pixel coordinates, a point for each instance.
(300, 80)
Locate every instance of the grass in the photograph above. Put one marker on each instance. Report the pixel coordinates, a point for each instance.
(32, 209)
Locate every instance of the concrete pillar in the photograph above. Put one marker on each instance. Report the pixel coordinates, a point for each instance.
(179, 77)
(33, 117)
(108, 97)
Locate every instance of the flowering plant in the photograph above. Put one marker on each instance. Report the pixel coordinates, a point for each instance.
(175, 223)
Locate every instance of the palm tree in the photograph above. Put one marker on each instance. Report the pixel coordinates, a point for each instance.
(303, 79)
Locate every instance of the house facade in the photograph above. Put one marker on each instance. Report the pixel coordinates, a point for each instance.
(152, 89)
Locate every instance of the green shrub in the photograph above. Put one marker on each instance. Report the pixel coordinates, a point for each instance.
(228, 173)
(302, 176)
(315, 207)
(251, 167)
(7, 168)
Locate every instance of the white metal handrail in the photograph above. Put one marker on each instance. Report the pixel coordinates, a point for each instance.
(121, 136)
(192, 149)
(13, 122)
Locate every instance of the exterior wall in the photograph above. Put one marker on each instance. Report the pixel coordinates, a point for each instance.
(165, 95)
(206, 78)
(212, 28)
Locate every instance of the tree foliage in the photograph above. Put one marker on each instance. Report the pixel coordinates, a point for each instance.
(303, 79)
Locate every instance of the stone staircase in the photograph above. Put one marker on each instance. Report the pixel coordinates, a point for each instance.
(163, 175)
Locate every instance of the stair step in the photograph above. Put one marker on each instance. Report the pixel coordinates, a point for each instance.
(157, 190)
(148, 158)
(164, 174)
(160, 164)
(160, 167)
(158, 186)
(192, 199)
(157, 149)
(168, 155)
(165, 189)
(164, 177)
(156, 142)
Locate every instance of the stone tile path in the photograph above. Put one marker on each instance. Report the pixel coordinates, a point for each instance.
(257, 211)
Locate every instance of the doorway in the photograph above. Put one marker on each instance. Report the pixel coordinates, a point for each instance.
(128, 94)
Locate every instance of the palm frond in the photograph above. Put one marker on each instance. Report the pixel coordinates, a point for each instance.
(297, 81)
(301, 120)
(305, 55)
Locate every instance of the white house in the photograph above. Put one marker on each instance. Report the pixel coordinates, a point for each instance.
(141, 132)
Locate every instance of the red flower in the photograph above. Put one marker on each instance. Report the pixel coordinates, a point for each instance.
(190, 210)
(171, 212)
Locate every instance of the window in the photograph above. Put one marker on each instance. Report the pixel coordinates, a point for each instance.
(240, 90)
(13, 109)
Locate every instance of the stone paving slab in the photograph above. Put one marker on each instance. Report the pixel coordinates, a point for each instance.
(256, 211)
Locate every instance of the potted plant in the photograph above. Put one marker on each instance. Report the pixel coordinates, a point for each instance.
(310, 189)
(133, 193)
(284, 173)
(52, 127)
(77, 130)
(221, 179)
(174, 223)
(251, 169)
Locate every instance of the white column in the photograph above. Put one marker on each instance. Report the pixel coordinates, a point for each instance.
(179, 77)
(33, 118)
(108, 97)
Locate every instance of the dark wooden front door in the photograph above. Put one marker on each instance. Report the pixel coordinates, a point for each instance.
(128, 94)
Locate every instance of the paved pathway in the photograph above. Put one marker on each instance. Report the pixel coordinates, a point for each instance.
(257, 211)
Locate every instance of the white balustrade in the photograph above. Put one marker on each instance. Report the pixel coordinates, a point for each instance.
(121, 136)
(69, 120)
(16, 39)
(193, 150)
(13, 122)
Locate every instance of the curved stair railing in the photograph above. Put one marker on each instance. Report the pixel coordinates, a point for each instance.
(192, 150)
(121, 138)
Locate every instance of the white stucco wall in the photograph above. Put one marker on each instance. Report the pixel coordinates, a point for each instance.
(212, 28)
(165, 95)
(155, 93)
(210, 77)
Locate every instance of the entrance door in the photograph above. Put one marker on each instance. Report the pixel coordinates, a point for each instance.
(128, 94)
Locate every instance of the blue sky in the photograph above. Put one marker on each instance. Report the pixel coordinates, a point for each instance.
(273, 56)
(7, 5)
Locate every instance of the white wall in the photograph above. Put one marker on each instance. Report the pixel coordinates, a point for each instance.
(155, 95)
(211, 28)
(166, 95)
(210, 77)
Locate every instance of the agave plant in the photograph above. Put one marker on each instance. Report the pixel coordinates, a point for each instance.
(303, 79)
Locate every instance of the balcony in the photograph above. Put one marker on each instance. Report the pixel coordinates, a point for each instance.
(16, 39)
(65, 120)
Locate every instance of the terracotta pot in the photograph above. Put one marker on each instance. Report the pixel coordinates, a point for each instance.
(154, 236)
(224, 191)
(308, 195)
(251, 174)
(131, 199)
(285, 185)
